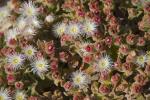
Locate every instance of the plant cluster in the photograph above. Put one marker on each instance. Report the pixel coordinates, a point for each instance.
(75, 50)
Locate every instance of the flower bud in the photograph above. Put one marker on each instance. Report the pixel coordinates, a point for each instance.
(141, 79)
(130, 39)
(104, 89)
(49, 18)
(117, 41)
(141, 41)
(108, 40)
(127, 68)
(10, 79)
(124, 49)
(115, 79)
(49, 47)
(19, 85)
(67, 85)
(104, 75)
(87, 58)
(136, 88)
(8, 68)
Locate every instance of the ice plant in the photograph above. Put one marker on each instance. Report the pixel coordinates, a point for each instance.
(104, 63)
(4, 94)
(59, 29)
(141, 60)
(21, 23)
(29, 31)
(49, 18)
(74, 49)
(85, 48)
(29, 51)
(16, 60)
(39, 66)
(80, 79)
(35, 22)
(4, 13)
(89, 27)
(74, 29)
(12, 34)
(20, 95)
(28, 9)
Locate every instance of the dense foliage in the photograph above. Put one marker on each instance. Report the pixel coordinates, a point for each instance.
(75, 50)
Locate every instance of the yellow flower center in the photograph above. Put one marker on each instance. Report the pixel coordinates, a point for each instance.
(77, 79)
(29, 11)
(16, 61)
(88, 28)
(29, 52)
(61, 30)
(40, 66)
(19, 97)
(74, 29)
(141, 59)
(1, 98)
(102, 64)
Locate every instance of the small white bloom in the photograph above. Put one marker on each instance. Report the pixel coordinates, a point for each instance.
(104, 63)
(16, 60)
(28, 9)
(11, 34)
(89, 27)
(21, 23)
(39, 66)
(29, 31)
(141, 60)
(20, 95)
(4, 94)
(29, 51)
(35, 22)
(4, 13)
(80, 79)
(49, 18)
(74, 29)
(59, 29)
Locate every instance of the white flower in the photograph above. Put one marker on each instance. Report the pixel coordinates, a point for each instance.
(104, 63)
(16, 60)
(29, 51)
(29, 31)
(35, 22)
(20, 95)
(12, 34)
(89, 27)
(4, 94)
(28, 9)
(4, 13)
(141, 60)
(74, 29)
(21, 23)
(80, 79)
(39, 66)
(49, 18)
(59, 29)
